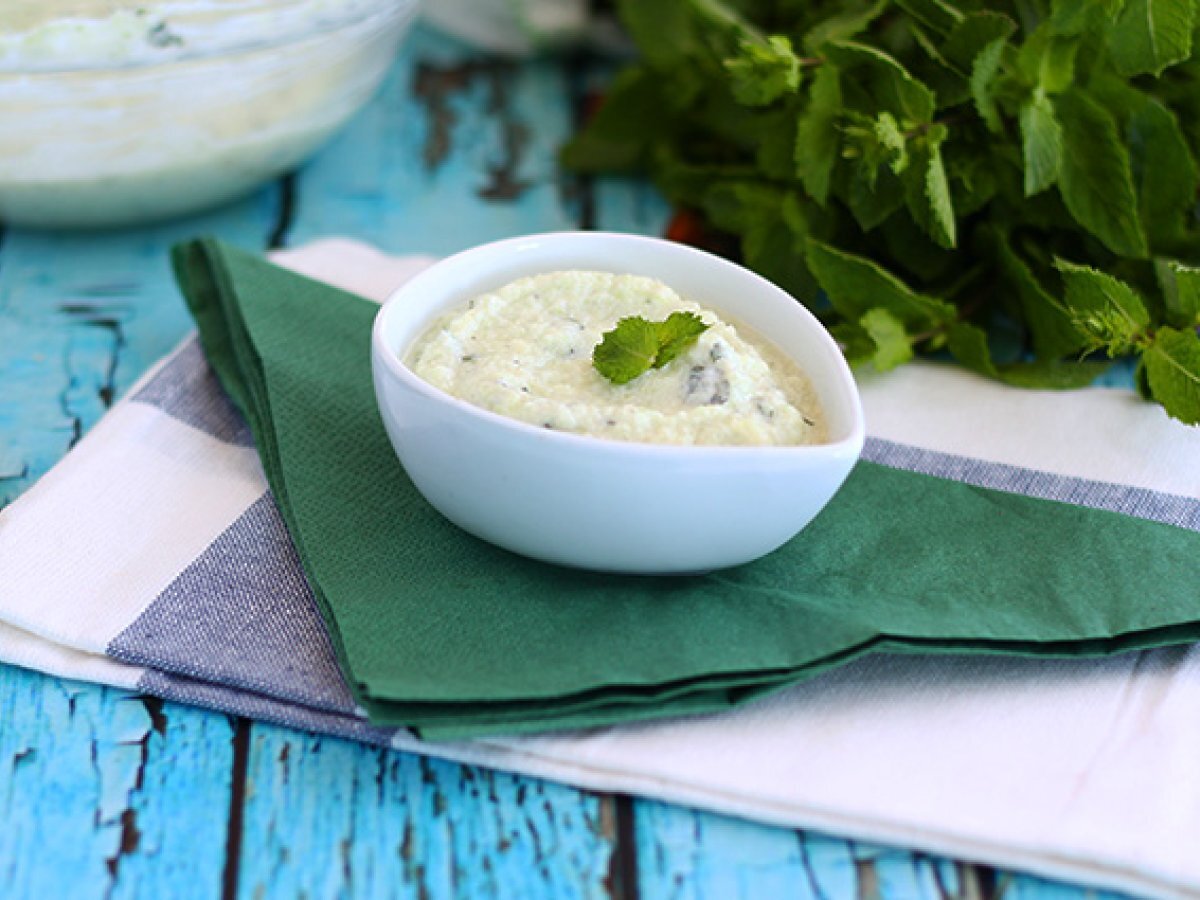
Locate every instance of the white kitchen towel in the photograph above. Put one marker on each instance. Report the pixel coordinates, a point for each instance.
(153, 558)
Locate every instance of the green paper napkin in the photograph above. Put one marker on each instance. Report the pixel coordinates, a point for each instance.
(437, 630)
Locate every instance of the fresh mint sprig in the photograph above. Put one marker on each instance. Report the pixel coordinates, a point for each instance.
(1012, 182)
(636, 345)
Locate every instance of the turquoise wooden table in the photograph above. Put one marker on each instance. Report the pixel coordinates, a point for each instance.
(107, 794)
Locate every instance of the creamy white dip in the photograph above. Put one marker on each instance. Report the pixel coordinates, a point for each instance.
(525, 351)
(116, 111)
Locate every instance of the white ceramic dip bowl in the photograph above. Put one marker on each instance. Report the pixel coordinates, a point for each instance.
(603, 504)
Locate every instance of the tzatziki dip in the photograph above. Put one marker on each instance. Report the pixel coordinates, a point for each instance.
(525, 351)
(121, 111)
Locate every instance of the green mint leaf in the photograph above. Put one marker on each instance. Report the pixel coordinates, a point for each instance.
(736, 206)
(620, 135)
(1180, 286)
(842, 25)
(1141, 381)
(955, 57)
(891, 344)
(776, 136)
(637, 345)
(627, 351)
(1164, 168)
(872, 194)
(1096, 177)
(772, 226)
(857, 285)
(892, 142)
(1104, 309)
(1052, 374)
(974, 176)
(1150, 35)
(969, 345)
(1172, 371)
(941, 207)
(935, 14)
(817, 136)
(774, 247)
(885, 79)
(699, 31)
(927, 189)
(915, 252)
(644, 19)
(1041, 142)
(1164, 171)
(1076, 16)
(1064, 142)
(984, 69)
(973, 35)
(676, 334)
(1187, 299)
(1050, 325)
(762, 72)
(941, 76)
(856, 345)
(1047, 59)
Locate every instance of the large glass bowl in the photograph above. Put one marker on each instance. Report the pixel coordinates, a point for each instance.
(114, 113)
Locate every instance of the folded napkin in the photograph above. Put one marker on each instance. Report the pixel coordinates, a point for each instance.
(182, 583)
(440, 631)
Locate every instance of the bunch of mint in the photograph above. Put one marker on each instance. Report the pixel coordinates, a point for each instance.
(1014, 183)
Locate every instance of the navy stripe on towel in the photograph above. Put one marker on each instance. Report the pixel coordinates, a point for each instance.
(1139, 502)
(186, 389)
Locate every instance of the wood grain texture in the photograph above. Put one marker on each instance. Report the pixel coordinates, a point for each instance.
(82, 315)
(456, 149)
(329, 818)
(105, 794)
(687, 854)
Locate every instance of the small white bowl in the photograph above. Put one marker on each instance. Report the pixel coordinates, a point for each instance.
(119, 113)
(602, 504)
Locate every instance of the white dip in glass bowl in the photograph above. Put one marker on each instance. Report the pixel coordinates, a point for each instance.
(600, 504)
(116, 111)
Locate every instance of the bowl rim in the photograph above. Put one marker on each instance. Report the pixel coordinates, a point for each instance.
(394, 365)
(317, 27)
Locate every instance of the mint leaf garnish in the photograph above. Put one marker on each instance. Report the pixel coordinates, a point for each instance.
(676, 334)
(627, 351)
(636, 345)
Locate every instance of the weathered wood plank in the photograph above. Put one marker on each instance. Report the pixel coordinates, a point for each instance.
(1029, 888)
(690, 855)
(329, 818)
(456, 149)
(105, 794)
(81, 317)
